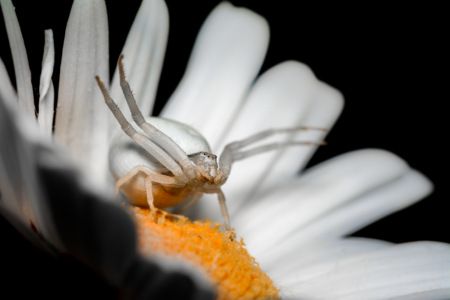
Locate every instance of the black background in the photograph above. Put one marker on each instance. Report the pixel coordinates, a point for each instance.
(387, 61)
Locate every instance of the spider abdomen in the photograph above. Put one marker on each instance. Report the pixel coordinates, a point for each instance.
(125, 153)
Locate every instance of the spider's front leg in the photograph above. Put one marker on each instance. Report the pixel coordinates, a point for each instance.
(231, 151)
(152, 176)
(163, 180)
(130, 175)
(223, 208)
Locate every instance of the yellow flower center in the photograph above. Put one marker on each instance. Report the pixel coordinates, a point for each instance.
(225, 260)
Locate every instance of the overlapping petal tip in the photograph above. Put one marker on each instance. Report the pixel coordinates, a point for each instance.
(82, 115)
(227, 56)
(144, 54)
(410, 270)
(46, 90)
(20, 58)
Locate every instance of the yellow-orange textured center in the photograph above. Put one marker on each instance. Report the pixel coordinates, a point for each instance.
(226, 261)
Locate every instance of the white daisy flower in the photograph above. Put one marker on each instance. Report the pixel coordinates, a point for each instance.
(293, 225)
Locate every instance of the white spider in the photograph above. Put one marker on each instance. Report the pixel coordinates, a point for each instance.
(177, 163)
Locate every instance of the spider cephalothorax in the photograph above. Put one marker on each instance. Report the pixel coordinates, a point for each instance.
(206, 168)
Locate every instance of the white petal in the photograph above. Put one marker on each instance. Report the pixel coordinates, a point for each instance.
(20, 196)
(264, 173)
(81, 115)
(440, 294)
(319, 191)
(392, 197)
(390, 272)
(313, 258)
(366, 209)
(7, 91)
(324, 111)
(227, 55)
(19, 55)
(144, 55)
(46, 90)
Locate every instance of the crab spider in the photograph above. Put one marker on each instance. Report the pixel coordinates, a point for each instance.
(173, 163)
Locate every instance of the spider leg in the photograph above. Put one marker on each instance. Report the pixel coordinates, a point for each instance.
(265, 134)
(144, 142)
(158, 137)
(269, 147)
(223, 209)
(122, 180)
(191, 202)
(163, 180)
(231, 154)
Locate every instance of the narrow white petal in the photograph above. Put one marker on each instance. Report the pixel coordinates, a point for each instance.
(397, 271)
(6, 88)
(144, 54)
(46, 110)
(19, 55)
(321, 252)
(81, 114)
(227, 55)
(319, 191)
(46, 90)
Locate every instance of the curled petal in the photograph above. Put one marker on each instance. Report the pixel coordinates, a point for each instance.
(19, 55)
(81, 115)
(46, 90)
(227, 55)
(144, 55)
